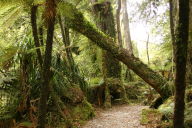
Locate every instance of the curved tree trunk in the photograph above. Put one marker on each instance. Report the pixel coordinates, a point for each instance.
(80, 24)
(181, 60)
(44, 91)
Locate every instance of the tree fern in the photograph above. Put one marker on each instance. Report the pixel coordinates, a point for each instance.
(9, 17)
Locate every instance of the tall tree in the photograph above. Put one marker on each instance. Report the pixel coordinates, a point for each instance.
(126, 35)
(172, 31)
(50, 12)
(110, 66)
(80, 24)
(181, 60)
(189, 58)
(35, 32)
(118, 20)
(147, 49)
(126, 28)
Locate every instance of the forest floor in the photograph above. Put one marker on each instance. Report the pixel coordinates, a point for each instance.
(124, 116)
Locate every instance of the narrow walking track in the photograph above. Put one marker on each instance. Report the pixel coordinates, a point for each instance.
(125, 116)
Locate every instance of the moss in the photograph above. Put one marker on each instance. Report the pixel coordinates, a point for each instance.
(167, 108)
(73, 93)
(26, 124)
(117, 90)
(189, 95)
(136, 91)
(188, 115)
(150, 116)
(83, 111)
(95, 80)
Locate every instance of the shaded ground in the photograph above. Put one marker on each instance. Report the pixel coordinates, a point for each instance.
(125, 116)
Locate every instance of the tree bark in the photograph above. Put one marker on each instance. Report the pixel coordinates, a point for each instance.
(110, 66)
(119, 35)
(171, 20)
(126, 29)
(126, 36)
(147, 49)
(80, 24)
(35, 33)
(181, 59)
(44, 91)
(41, 35)
(172, 32)
(189, 58)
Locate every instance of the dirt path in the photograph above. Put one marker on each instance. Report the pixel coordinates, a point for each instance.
(126, 116)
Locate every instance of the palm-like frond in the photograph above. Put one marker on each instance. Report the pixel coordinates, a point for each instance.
(6, 3)
(9, 16)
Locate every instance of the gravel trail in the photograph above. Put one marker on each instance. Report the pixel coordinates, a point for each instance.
(125, 116)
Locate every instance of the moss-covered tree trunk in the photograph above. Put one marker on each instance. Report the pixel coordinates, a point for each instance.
(189, 58)
(50, 12)
(110, 66)
(181, 60)
(24, 104)
(81, 25)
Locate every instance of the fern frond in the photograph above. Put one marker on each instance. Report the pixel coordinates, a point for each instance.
(6, 54)
(6, 3)
(9, 17)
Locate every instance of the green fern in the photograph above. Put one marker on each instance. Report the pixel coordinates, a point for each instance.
(9, 19)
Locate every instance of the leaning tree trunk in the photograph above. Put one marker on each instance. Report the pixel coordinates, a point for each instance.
(111, 67)
(181, 59)
(80, 24)
(50, 12)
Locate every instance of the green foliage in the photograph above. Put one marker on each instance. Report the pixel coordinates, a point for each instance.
(7, 54)
(188, 115)
(9, 95)
(8, 20)
(148, 116)
(83, 111)
(167, 108)
(66, 9)
(26, 124)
